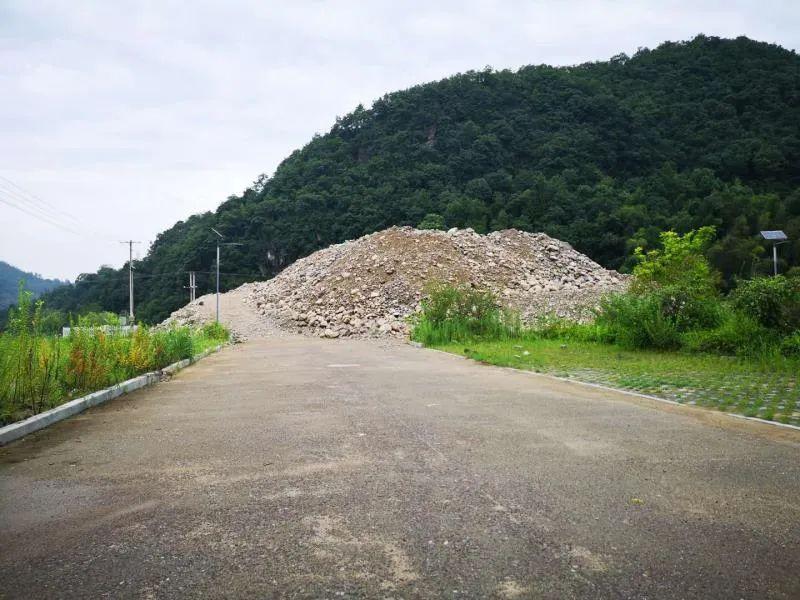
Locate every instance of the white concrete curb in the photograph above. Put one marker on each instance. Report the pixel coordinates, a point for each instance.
(614, 389)
(14, 431)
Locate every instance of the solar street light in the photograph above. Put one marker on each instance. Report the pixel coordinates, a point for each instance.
(777, 237)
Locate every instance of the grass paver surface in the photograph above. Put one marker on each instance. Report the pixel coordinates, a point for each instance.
(768, 390)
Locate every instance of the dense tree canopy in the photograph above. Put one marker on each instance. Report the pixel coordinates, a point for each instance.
(604, 155)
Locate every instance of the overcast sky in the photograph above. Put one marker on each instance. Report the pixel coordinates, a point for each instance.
(122, 118)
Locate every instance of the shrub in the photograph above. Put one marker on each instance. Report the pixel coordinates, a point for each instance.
(638, 321)
(52, 321)
(772, 301)
(790, 345)
(674, 291)
(738, 334)
(458, 313)
(679, 263)
(551, 327)
(446, 302)
(215, 331)
(178, 346)
(688, 311)
(169, 346)
(96, 319)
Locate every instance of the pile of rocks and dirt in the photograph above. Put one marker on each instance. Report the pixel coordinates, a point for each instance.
(236, 313)
(369, 286)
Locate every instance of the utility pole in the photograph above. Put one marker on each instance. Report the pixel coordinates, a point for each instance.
(192, 286)
(130, 276)
(221, 237)
(217, 282)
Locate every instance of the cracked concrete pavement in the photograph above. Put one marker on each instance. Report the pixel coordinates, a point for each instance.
(299, 467)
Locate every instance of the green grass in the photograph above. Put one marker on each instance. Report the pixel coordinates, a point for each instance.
(766, 388)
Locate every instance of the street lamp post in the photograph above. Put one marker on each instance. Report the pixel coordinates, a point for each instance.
(777, 238)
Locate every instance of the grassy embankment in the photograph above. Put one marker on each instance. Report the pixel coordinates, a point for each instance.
(39, 371)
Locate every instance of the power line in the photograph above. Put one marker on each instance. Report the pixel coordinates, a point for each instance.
(18, 197)
(234, 274)
(26, 202)
(136, 276)
(36, 200)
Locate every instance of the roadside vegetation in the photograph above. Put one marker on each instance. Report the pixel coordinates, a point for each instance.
(40, 370)
(672, 334)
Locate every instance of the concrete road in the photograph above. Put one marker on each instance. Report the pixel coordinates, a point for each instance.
(328, 469)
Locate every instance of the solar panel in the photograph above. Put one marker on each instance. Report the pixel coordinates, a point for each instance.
(774, 236)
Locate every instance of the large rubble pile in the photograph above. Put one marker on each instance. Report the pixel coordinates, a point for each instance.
(367, 287)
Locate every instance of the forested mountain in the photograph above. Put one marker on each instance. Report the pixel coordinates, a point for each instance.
(10, 277)
(604, 155)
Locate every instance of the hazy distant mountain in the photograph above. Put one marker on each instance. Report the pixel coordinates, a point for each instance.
(10, 277)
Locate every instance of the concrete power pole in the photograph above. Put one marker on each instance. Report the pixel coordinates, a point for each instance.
(221, 237)
(130, 275)
(217, 281)
(192, 286)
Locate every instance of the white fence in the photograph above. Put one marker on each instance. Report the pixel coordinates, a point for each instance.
(126, 329)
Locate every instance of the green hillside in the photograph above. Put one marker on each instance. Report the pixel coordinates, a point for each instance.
(604, 155)
(10, 277)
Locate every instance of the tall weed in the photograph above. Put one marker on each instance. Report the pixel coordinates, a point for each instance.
(39, 371)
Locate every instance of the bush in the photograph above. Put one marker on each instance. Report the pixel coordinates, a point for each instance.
(215, 331)
(738, 334)
(772, 301)
(446, 302)
(97, 319)
(459, 313)
(688, 311)
(52, 321)
(790, 346)
(674, 292)
(679, 263)
(551, 327)
(169, 346)
(638, 321)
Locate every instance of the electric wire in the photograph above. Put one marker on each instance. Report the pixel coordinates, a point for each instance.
(37, 200)
(139, 276)
(17, 197)
(10, 202)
